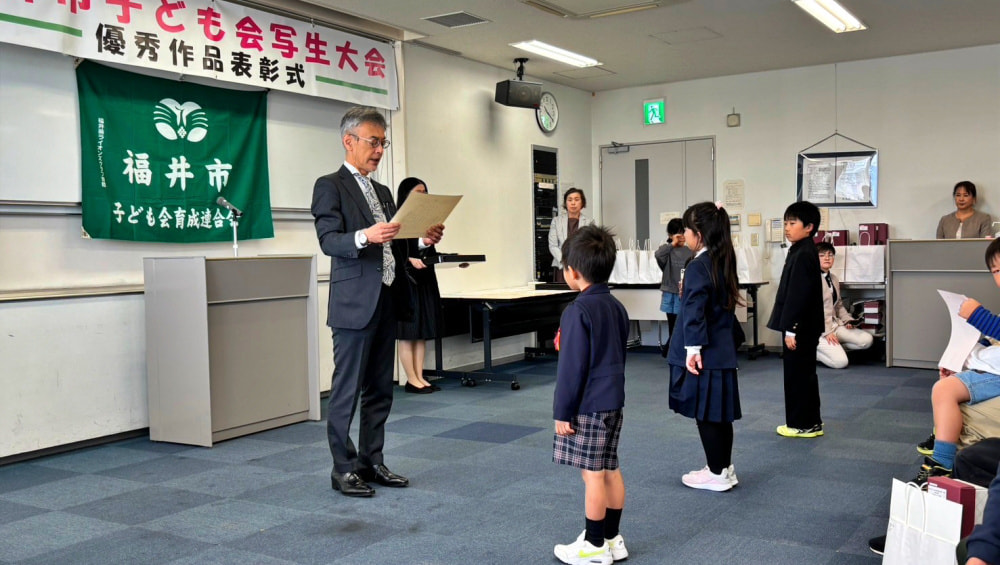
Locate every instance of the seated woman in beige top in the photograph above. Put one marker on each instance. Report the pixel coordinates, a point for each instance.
(965, 221)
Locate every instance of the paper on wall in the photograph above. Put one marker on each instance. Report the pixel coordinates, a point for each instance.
(665, 217)
(963, 336)
(421, 211)
(734, 194)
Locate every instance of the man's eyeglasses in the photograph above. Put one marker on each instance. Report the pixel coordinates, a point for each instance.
(374, 142)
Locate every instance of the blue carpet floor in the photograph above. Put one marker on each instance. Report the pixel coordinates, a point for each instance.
(483, 487)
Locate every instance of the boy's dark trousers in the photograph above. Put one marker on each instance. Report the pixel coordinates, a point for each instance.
(801, 383)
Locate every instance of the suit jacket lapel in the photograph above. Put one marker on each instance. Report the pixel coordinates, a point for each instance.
(352, 188)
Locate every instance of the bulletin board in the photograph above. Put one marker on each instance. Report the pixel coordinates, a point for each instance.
(839, 179)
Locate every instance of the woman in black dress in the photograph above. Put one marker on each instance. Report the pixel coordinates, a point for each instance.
(426, 303)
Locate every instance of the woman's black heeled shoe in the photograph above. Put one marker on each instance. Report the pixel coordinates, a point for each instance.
(417, 389)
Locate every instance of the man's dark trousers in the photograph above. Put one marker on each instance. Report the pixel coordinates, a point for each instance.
(363, 368)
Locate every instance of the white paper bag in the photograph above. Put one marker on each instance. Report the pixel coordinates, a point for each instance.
(649, 271)
(619, 272)
(922, 529)
(632, 264)
(865, 263)
(655, 272)
(839, 262)
(749, 264)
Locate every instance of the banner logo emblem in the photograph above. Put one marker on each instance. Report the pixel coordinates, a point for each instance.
(175, 120)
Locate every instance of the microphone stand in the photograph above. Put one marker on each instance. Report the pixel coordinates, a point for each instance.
(236, 224)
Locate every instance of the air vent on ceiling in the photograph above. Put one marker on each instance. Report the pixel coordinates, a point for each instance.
(457, 19)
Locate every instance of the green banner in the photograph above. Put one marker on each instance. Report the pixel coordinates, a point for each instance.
(157, 154)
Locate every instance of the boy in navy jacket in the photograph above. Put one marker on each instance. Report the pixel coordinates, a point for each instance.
(984, 543)
(798, 315)
(590, 394)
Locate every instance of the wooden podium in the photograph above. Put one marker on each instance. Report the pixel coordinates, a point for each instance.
(231, 346)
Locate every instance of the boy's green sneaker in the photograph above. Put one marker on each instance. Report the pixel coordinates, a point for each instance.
(814, 431)
(930, 468)
(580, 552)
(616, 545)
(926, 447)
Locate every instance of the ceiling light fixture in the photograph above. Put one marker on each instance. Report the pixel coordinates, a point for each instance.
(832, 15)
(545, 8)
(556, 53)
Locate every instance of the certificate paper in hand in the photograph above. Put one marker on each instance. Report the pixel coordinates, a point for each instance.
(421, 211)
(963, 336)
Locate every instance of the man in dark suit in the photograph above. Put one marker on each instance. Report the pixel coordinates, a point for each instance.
(368, 289)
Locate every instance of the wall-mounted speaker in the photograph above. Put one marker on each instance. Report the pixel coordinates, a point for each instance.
(518, 93)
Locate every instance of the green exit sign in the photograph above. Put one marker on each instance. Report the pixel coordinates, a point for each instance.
(654, 112)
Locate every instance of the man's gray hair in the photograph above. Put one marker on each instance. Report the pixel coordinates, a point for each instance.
(360, 115)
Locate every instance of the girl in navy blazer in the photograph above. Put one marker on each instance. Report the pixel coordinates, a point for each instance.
(703, 357)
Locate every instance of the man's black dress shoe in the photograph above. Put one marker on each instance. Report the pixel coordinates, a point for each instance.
(417, 389)
(350, 484)
(382, 475)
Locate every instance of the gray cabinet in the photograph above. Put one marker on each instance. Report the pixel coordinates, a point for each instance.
(919, 326)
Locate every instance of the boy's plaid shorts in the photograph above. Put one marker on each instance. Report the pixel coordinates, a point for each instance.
(594, 446)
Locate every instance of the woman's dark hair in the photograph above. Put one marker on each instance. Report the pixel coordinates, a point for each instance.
(406, 186)
(675, 226)
(805, 212)
(711, 223)
(583, 197)
(825, 247)
(967, 185)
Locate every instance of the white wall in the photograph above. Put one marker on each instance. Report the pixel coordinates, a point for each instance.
(460, 141)
(933, 117)
(71, 370)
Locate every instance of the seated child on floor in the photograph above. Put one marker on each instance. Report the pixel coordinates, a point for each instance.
(839, 334)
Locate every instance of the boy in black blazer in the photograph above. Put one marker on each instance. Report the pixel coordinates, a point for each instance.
(798, 315)
(590, 394)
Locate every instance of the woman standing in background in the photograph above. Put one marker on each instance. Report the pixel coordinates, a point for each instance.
(425, 305)
(565, 225)
(965, 221)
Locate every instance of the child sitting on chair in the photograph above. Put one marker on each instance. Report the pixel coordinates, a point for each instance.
(979, 382)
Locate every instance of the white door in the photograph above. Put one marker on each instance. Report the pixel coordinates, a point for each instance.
(641, 181)
(638, 183)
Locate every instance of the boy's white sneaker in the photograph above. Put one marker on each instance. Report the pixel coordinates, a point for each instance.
(705, 479)
(615, 544)
(581, 552)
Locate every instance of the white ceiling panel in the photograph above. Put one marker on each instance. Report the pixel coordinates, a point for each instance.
(684, 39)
